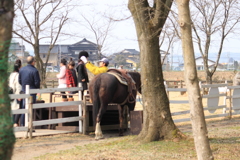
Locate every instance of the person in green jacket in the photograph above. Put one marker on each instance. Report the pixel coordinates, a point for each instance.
(95, 69)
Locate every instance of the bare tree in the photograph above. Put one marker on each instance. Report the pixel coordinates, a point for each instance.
(149, 21)
(169, 36)
(100, 27)
(6, 128)
(41, 20)
(213, 22)
(197, 115)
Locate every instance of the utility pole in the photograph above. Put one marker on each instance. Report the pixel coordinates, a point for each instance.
(59, 54)
(172, 58)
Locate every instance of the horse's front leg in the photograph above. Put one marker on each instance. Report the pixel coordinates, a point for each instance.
(120, 110)
(98, 130)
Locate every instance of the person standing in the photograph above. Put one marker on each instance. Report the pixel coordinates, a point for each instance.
(14, 84)
(82, 73)
(62, 78)
(71, 78)
(103, 63)
(29, 75)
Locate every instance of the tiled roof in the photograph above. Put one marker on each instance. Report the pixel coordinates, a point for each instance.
(55, 49)
(129, 51)
(16, 46)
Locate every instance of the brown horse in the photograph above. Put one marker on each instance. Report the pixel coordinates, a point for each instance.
(105, 88)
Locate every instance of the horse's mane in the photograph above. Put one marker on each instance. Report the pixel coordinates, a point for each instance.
(134, 74)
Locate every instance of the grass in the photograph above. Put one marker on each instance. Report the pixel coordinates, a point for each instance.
(125, 148)
(224, 142)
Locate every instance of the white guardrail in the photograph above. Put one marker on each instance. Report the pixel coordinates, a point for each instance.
(28, 111)
(215, 91)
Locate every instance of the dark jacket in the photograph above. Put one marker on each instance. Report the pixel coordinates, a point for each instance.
(82, 72)
(29, 75)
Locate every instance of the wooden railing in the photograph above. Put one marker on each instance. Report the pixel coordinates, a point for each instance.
(169, 83)
(29, 107)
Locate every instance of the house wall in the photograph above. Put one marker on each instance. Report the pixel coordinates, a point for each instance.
(134, 63)
(52, 59)
(199, 63)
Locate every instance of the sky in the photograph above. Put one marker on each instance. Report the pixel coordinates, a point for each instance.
(123, 34)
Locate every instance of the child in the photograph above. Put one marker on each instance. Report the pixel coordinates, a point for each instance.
(82, 72)
(94, 69)
(62, 78)
(71, 77)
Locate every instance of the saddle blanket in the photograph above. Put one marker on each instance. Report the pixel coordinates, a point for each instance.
(120, 78)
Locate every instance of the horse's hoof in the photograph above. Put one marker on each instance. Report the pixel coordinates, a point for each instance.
(99, 137)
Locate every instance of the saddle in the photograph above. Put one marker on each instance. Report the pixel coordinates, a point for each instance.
(124, 78)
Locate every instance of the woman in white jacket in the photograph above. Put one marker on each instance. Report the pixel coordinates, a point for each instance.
(14, 84)
(62, 78)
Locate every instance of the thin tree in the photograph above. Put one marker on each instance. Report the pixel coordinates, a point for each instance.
(41, 20)
(169, 36)
(7, 138)
(100, 27)
(149, 21)
(197, 115)
(213, 22)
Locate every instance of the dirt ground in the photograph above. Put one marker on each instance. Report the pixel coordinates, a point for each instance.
(26, 149)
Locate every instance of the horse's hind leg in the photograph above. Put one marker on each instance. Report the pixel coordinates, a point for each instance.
(98, 130)
(120, 110)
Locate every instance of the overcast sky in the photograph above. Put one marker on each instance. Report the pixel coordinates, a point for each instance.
(123, 35)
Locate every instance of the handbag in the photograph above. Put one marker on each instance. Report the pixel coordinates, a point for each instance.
(10, 90)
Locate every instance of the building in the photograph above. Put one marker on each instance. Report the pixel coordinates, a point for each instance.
(132, 58)
(200, 66)
(68, 51)
(16, 51)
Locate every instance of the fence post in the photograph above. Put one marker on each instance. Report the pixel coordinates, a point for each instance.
(30, 111)
(230, 104)
(26, 105)
(181, 84)
(80, 108)
(225, 98)
(166, 86)
(52, 83)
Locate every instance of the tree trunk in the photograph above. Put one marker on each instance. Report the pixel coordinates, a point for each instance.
(40, 66)
(196, 112)
(158, 123)
(6, 126)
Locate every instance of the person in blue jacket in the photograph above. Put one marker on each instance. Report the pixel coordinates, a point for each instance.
(29, 75)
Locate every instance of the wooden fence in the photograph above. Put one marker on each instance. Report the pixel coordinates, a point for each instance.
(212, 98)
(169, 83)
(231, 93)
(29, 107)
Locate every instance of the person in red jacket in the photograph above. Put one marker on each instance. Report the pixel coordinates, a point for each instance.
(71, 77)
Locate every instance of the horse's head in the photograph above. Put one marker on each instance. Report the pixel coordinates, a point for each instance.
(137, 78)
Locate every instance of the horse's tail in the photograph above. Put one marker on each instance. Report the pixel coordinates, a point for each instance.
(96, 100)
